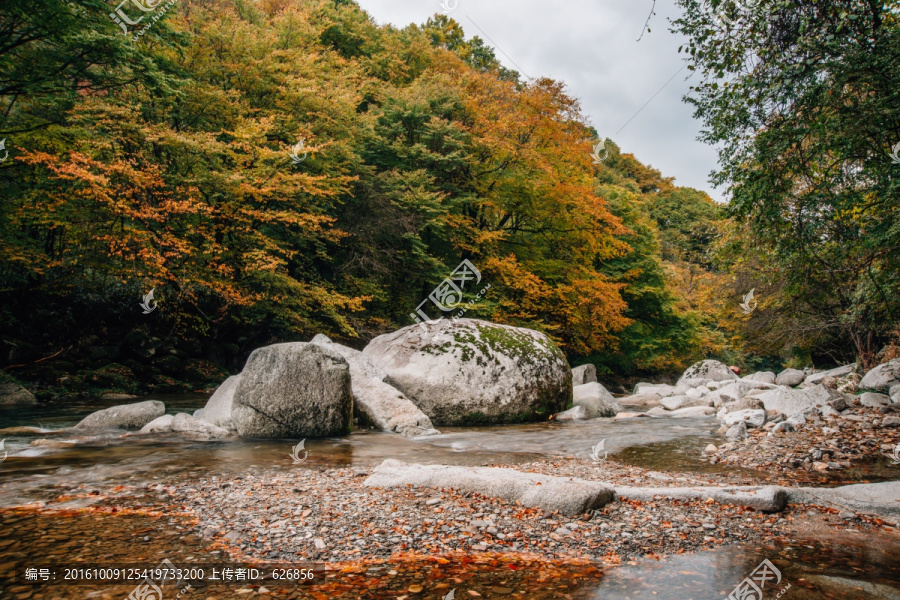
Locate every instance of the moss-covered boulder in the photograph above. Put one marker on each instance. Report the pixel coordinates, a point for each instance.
(471, 372)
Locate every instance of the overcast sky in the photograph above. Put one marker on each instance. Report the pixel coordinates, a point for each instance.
(592, 46)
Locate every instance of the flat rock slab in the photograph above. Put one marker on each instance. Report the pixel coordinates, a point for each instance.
(766, 499)
(569, 496)
(882, 499)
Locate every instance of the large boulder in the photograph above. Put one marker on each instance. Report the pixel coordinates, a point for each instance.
(294, 390)
(466, 371)
(378, 402)
(218, 408)
(596, 399)
(883, 377)
(125, 416)
(584, 374)
(12, 394)
(707, 370)
(789, 401)
(790, 377)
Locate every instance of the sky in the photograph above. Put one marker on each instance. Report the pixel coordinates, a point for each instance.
(592, 46)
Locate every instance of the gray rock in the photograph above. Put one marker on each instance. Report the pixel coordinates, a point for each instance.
(737, 432)
(693, 411)
(883, 377)
(197, 428)
(836, 372)
(870, 498)
(745, 404)
(578, 413)
(584, 374)
(293, 390)
(125, 416)
(469, 371)
(218, 408)
(568, 495)
(661, 390)
(596, 400)
(783, 426)
(12, 394)
(697, 392)
(790, 377)
(679, 402)
(764, 499)
(379, 402)
(762, 377)
(750, 417)
(891, 422)
(739, 389)
(708, 369)
(789, 401)
(894, 393)
(640, 400)
(161, 424)
(873, 400)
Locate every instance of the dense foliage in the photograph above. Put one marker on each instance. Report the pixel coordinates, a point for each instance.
(163, 161)
(802, 97)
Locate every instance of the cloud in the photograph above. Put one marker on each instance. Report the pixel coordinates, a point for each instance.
(592, 46)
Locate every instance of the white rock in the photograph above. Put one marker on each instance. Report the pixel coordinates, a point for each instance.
(752, 418)
(790, 377)
(379, 402)
(596, 399)
(736, 432)
(873, 400)
(883, 377)
(708, 369)
(577, 413)
(126, 416)
(218, 408)
(762, 377)
(161, 424)
(584, 374)
(193, 427)
(894, 393)
(789, 401)
(468, 371)
(693, 411)
(836, 372)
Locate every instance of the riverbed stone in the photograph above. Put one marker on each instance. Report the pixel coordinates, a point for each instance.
(596, 399)
(882, 377)
(467, 371)
(750, 417)
(293, 390)
(834, 373)
(762, 377)
(569, 496)
(662, 390)
(640, 401)
(13, 394)
(577, 413)
(790, 377)
(161, 424)
(218, 408)
(737, 432)
(707, 370)
(376, 400)
(874, 400)
(788, 401)
(894, 393)
(124, 416)
(191, 426)
(584, 374)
